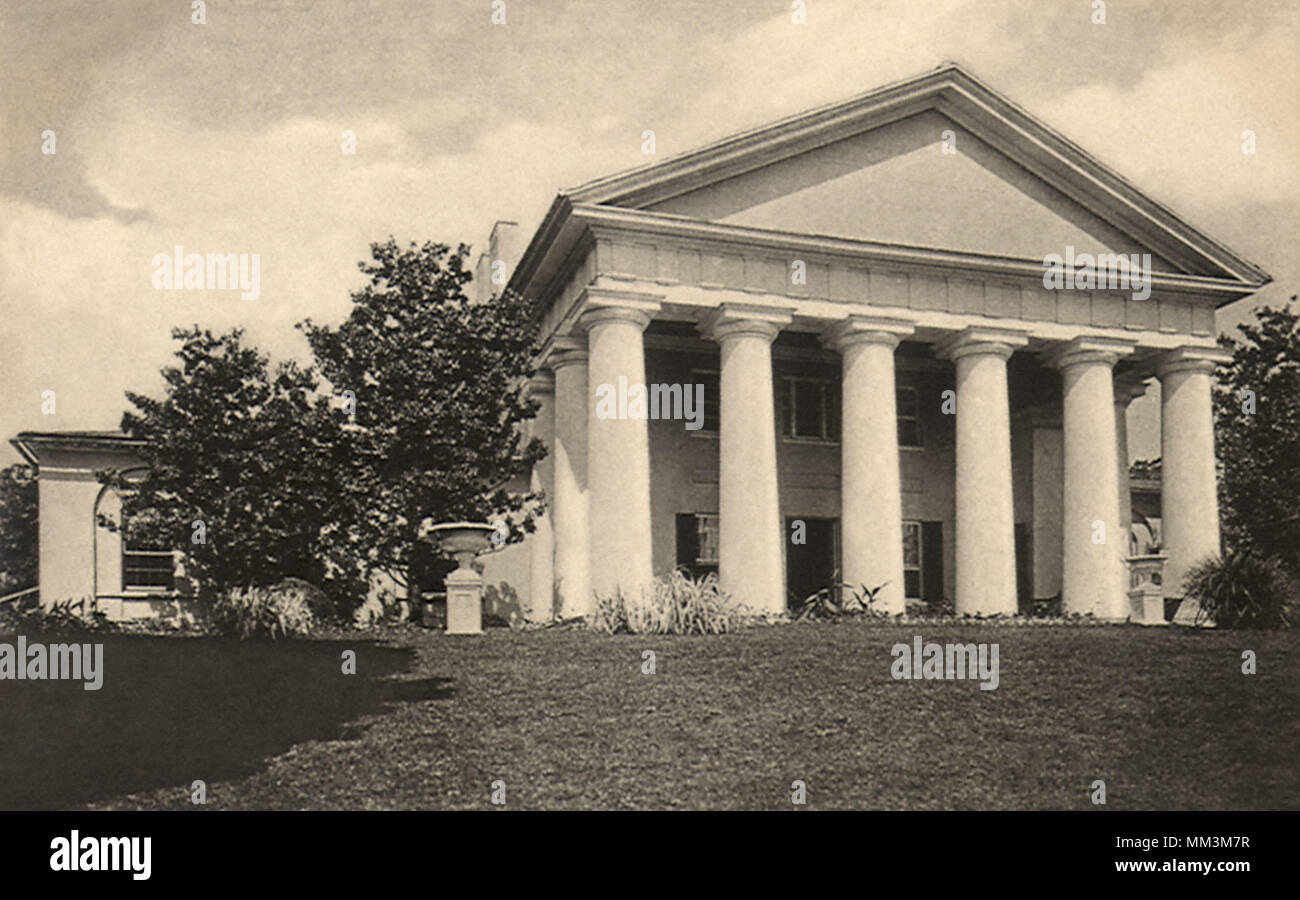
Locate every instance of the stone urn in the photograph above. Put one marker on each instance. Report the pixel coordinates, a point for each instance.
(1146, 590)
(463, 541)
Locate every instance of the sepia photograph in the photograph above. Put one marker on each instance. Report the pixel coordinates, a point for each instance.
(880, 407)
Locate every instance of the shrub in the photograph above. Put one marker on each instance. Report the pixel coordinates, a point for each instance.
(274, 613)
(841, 600)
(62, 617)
(324, 608)
(678, 604)
(1241, 590)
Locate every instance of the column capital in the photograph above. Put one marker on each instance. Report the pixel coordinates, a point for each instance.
(597, 305)
(563, 350)
(1088, 349)
(541, 382)
(982, 339)
(1191, 359)
(867, 330)
(597, 315)
(735, 319)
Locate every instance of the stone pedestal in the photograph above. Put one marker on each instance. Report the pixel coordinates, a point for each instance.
(464, 602)
(1146, 595)
(1147, 605)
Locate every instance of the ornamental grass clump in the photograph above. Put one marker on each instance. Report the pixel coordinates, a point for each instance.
(257, 612)
(678, 604)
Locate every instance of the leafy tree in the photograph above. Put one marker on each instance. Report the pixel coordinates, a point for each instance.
(436, 403)
(242, 461)
(1257, 408)
(19, 532)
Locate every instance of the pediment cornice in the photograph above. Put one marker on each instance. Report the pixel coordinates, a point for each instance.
(1207, 264)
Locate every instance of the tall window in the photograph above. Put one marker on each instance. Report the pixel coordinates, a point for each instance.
(809, 408)
(145, 566)
(912, 560)
(909, 417)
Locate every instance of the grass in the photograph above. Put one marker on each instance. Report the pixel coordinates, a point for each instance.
(567, 720)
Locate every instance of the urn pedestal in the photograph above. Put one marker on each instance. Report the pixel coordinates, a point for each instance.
(1146, 594)
(464, 541)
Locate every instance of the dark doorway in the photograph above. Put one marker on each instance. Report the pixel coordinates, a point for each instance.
(932, 565)
(811, 554)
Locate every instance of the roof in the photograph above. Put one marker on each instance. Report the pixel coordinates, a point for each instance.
(27, 442)
(948, 89)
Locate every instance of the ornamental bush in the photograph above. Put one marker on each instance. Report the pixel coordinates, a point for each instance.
(678, 604)
(1242, 590)
(279, 612)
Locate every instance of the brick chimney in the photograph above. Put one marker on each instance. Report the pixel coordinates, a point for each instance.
(505, 246)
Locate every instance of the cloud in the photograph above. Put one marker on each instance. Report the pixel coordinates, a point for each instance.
(79, 290)
(1179, 131)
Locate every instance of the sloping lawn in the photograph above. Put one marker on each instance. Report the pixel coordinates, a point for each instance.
(566, 719)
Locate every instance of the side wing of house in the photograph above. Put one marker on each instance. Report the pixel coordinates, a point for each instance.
(83, 559)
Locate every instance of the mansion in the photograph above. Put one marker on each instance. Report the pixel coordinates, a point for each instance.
(895, 394)
(896, 387)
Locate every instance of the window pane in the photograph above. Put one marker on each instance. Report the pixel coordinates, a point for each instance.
(911, 545)
(912, 559)
(912, 584)
(708, 531)
(909, 433)
(808, 409)
(909, 422)
(907, 402)
(712, 404)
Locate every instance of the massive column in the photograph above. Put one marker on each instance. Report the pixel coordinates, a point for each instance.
(568, 360)
(986, 542)
(750, 557)
(541, 552)
(1127, 390)
(871, 500)
(1094, 550)
(1189, 506)
(618, 448)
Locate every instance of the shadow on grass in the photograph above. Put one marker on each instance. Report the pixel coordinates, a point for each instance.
(175, 709)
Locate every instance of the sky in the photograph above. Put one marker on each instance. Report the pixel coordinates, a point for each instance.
(227, 137)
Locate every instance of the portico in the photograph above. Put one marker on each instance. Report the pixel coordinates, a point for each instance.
(937, 414)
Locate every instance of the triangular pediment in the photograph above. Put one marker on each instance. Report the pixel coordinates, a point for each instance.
(921, 181)
(874, 169)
